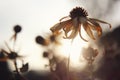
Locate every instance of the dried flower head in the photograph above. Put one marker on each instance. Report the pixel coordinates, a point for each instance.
(17, 28)
(24, 68)
(78, 17)
(77, 12)
(13, 55)
(45, 54)
(53, 38)
(10, 56)
(90, 54)
(40, 40)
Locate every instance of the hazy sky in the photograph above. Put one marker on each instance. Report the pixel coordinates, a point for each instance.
(37, 16)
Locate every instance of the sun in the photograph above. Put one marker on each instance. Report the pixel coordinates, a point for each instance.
(73, 50)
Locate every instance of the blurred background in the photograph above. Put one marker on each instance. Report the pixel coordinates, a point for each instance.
(37, 16)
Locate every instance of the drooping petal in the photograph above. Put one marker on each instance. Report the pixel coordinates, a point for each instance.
(66, 17)
(57, 27)
(68, 27)
(97, 20)
(80, 33)
(74, 28)
(73, 34)
(67, 31)
(96, 26)
(88, 30)
(99, 30)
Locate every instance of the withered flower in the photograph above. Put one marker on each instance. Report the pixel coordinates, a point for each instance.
(24, 68)
(46, 54)
(17, 29)
(40, 40)
(76, 19)
(49, 39)
(90, 54)
(11, 55)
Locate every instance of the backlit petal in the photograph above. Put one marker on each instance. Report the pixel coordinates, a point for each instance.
(57, 27)
(80, 33)
(66, 18)
(68, 27)
(95, 26)
(73, 28)
(73, 34)
(101, 21)
(88, 30)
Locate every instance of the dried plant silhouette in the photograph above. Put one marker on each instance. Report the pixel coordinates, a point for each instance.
(89, 55)
(13, 55)
(17, 29)
(59, 66)
(110, 62)
(78, 17)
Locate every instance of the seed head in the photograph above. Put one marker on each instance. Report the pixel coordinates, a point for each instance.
(40, 40)
(17, 28)
(78, 12)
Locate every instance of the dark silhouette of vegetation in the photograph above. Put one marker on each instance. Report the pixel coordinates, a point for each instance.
(110, 62)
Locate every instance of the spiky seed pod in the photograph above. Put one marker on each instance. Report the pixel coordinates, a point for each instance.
(13, 55)
(78, 12)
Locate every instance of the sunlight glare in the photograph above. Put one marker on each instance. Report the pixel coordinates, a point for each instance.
(73, 49)
(36, 18)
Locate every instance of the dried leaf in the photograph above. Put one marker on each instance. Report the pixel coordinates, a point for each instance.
(24, 68)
